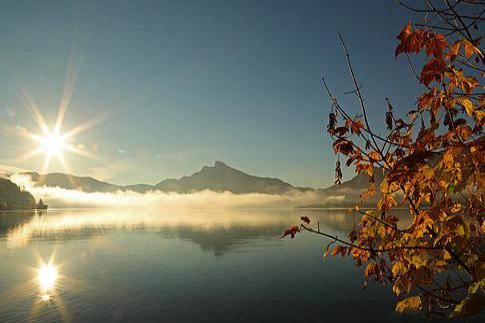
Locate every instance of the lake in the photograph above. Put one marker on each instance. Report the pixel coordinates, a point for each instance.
(181, 266)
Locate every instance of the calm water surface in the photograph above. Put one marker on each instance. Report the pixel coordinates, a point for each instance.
(192, 266)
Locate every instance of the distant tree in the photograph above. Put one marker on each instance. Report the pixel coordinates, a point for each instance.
(433, 163)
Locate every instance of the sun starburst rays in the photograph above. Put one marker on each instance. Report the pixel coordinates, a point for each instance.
(52, 142)
(52, 139)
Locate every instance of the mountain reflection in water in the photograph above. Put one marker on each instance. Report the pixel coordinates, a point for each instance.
(217, 231)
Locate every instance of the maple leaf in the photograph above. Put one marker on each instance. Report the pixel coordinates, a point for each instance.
(433, 71)
(403, 36)
(435, 45)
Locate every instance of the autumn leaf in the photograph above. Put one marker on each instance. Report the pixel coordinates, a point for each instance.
(371, 269)
(369, 192)
(454, 50)
(375, 155)
(433, 71)
(343, 146)
(435, 45)
(428, 160)
(339, 250)
(292, 231)
(404, 37)
(327, 249)
(409, 304)
(468, 105)
(356, 126)
(469, 48)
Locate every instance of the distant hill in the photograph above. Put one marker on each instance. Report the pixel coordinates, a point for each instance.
(71, 182)
(13, 197)
(218, 178)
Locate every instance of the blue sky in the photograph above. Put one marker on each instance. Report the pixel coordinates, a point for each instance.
(183, 83)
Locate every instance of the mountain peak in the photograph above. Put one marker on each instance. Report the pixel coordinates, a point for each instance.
(219, 164)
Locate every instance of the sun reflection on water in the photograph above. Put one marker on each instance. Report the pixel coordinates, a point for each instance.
(49, 282)
(47, 277)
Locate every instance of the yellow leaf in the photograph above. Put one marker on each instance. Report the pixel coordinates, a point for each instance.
(370, 191)
(396, 268)
(418, 261)
(468, 105)
(460, 230)
(409, 304)
(448, 159)
(446, 255)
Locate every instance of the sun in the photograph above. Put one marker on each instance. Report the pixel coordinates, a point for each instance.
(52, 143)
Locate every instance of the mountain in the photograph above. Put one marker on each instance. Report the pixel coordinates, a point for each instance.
(221, 177)
(218, 178)
(13, 197)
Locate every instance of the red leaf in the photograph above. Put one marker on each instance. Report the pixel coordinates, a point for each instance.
(292, 231)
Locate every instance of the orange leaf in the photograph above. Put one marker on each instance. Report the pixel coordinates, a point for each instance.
(325, 254)
(375, 155)
(433, 71)
(356, 126)
(454, 50)
(469, 48)
(339, 250)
